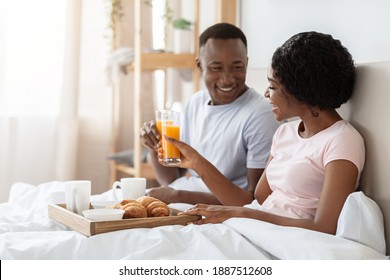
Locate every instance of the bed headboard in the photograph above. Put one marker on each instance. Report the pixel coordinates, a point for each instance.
(367, 111)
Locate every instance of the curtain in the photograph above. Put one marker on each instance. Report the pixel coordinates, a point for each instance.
(39, 60)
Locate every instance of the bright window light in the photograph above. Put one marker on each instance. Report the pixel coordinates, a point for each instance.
(158, 24)
(159, 43)
(32, 37)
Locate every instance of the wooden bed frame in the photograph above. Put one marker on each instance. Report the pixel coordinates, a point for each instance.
(366, 110)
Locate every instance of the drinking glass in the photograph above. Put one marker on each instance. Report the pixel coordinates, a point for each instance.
(170, 126)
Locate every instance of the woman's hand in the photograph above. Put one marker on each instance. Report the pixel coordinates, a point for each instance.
(214, 213)
(149, 135)
(189, 158)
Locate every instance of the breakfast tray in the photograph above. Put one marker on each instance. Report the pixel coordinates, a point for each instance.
(59, 213)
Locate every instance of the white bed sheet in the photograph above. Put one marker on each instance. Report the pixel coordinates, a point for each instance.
(27, 233)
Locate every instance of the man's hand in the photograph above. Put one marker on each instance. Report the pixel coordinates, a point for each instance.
(164, 193)
(149, 135)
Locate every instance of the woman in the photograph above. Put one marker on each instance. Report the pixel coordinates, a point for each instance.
(315, 161)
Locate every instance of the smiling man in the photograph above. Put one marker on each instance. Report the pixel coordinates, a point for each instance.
(229, 123)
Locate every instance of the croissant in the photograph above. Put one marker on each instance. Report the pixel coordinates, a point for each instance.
(133, 209)
(154, 206)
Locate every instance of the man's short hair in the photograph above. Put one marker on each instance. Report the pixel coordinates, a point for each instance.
(222, 31)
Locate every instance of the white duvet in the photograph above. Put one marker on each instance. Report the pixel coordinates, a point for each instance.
(26, 232)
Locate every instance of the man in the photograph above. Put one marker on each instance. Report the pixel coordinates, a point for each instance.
(229, 124)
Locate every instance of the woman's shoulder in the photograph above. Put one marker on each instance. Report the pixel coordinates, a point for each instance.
(346, 129)
(287, 129)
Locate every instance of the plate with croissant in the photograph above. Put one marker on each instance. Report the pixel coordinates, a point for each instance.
(142, 207)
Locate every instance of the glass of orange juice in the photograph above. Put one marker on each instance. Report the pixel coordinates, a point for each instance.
(170, 126)
(158, 120)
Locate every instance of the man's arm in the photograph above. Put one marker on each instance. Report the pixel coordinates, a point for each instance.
(169, 195)
(164, 175)
(253, 177)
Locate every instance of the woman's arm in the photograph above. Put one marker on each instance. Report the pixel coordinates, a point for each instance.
(223, 189)
(170, 195)
(192, 197)
(339, 182)
(164, 175)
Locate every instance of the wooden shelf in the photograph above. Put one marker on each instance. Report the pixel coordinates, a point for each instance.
(154, 61)
(226, 11)
(150, 61)
(146, 170)
(163, 61)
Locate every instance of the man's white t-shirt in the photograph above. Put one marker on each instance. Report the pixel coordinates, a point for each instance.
(233, 137)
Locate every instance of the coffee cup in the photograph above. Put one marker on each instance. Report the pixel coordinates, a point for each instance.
(130, 188)
(77, 195)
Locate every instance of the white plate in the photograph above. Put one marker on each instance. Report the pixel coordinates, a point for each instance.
(104, 214)
(103, 204)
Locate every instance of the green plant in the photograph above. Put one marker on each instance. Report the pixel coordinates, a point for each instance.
(182, 24)
(114, 14)
(179, 23)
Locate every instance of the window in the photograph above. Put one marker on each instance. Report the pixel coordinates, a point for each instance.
(32, 35)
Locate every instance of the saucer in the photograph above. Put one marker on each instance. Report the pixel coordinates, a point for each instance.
(104, 214)
(103, 204)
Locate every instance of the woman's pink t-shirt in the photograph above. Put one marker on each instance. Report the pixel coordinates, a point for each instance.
(296, 172)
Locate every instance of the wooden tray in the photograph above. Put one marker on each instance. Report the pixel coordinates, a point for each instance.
(59, 213)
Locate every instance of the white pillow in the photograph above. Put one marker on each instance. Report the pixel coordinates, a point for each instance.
(361, 220)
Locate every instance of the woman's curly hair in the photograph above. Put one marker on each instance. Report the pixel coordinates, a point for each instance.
(316, 69)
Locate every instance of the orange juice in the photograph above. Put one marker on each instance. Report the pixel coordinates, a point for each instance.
(159, 126)
(169, 150)
(168, 123)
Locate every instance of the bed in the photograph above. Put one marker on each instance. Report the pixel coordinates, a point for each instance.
(26, 232)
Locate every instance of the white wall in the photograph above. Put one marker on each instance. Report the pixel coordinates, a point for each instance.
(207, 14)
(361, 25)
(257, 78)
